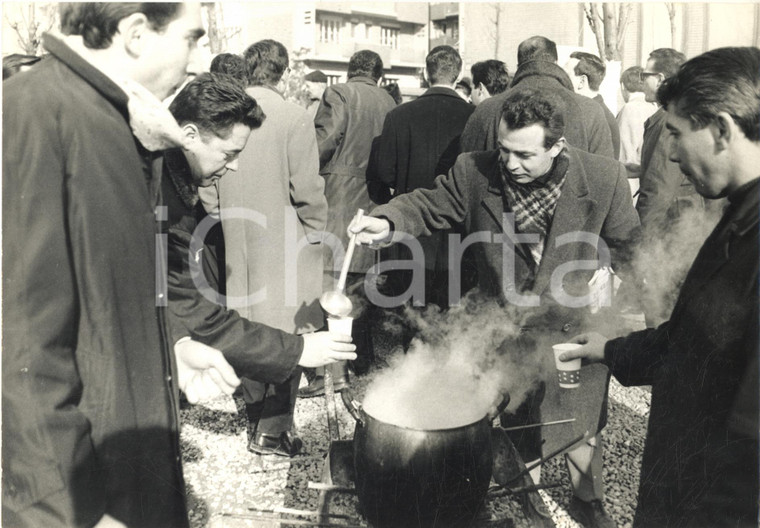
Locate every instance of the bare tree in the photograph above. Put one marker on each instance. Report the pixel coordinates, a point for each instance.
(34, 19)
(496, 21)
(219, 34)
(672, 15)
(609, 27)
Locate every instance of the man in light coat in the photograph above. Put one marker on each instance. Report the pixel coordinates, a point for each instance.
(282, 207)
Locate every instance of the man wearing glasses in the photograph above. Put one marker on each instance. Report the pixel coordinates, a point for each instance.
(664, 192)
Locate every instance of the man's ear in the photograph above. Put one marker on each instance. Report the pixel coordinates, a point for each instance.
(132, 30)
(724, 129)
(557, 147)
(191, 133)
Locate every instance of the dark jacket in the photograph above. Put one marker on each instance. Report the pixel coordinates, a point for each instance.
(664, 192)
(420, 140)
(90, 416)
(254, 350)
(595, 199)
(700, 463)
(612, 123)
(349, 117)
(585, 126)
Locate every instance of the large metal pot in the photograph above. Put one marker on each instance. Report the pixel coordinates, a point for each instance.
(420, 478)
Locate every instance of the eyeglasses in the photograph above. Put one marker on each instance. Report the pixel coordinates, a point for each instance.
(643, 75)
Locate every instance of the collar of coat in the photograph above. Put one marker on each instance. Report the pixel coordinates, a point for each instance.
(363, 80)
(442, 90)
(181, 177)
(542, 69)
(97, 79)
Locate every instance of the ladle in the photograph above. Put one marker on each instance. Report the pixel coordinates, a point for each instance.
(335, 302)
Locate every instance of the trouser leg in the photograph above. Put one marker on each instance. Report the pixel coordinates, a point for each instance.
(270, 407)
(585, 467)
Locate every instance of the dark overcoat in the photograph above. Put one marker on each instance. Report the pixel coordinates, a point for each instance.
(700, 463)
(349, 117)
(585, 125)
(90, 415)
(420, 140)
(254, 350)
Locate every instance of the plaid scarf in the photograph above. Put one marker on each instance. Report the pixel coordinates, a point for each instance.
(534, 203)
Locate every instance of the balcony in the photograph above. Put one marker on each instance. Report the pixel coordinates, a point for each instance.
(341, 52)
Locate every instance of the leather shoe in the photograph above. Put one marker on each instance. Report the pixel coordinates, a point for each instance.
(535, 509)
(590, 514)
(285, 444)
(317, 387)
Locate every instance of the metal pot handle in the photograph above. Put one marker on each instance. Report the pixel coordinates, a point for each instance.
(354, 407)
(499, 408)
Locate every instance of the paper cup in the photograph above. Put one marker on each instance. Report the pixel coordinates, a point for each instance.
(569, 372)
(340, 325)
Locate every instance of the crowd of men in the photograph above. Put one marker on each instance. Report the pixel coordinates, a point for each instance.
(134, 266)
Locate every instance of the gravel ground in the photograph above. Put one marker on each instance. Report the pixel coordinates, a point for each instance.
(224, 480)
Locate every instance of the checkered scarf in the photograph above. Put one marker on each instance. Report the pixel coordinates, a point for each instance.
(534, 203)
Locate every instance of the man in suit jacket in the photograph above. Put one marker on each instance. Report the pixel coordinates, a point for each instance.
(700, 462)
(552, 191)
(256, 351)
(585, 126)
(420, 140)
(349, 117)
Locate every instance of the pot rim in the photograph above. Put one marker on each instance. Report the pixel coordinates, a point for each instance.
(441, 429)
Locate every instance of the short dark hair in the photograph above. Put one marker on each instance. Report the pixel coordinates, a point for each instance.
(465, 83)
(229, 64)
(97, 22)
(667, 61)
(631, 79)
(215, 103)
(13, 63)
(525, 107)
(266, 62)
(492, 73)
(591, 66)
(721, 80)
(365, 63)
(537, 48)
(443, 65)
(394, 91)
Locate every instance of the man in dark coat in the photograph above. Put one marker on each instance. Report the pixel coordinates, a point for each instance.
(553, 193)
(700, 463)
(420, 140)
(89, 392)
(537, 68)
(349, 117)
(216, 116)
(586, 72)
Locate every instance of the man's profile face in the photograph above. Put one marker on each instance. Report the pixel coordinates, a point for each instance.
(211, 156)
(315, 89)
(479, 94)
(696, 154)
(170, 55)
(570, 70)
(652, 81)
(523, 153)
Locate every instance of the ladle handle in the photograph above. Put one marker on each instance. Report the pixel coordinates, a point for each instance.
(349, 256)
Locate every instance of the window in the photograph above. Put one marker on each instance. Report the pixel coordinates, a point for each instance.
(329, 30)
(389, 37)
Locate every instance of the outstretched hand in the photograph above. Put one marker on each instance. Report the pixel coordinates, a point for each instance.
(202, 371)
(369, 230)
(323, 348)
(592, 350)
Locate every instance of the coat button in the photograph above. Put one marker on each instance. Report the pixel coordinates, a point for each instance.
(168, 378)
(566, 327)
